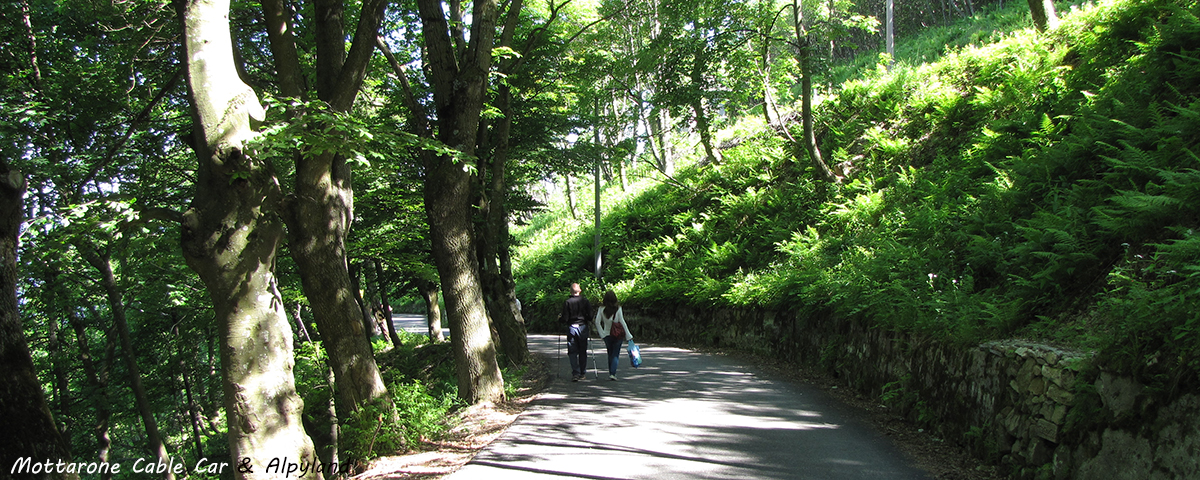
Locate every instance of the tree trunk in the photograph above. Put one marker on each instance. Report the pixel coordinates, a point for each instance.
(597, 259)
(193, 413)
(384, 303)
(25, 418)
(459, 83)
(433, 312)
(702, 124)
(300, 323)
(765, 71)
(804, 54)
(570, 195)
(658, 135)
(97, 378)
(507, 320)
(371, 297)
(370, 328)
(230, 236)
(320, 211)
(62, 392)
(102, 262)
(1044, 17)
(889, 33)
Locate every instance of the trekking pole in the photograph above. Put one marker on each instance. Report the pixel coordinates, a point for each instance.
(593, 355)
(558, 363)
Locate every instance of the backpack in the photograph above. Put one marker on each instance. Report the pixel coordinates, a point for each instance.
(617, 330)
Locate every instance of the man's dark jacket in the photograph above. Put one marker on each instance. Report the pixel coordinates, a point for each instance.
(576, 310)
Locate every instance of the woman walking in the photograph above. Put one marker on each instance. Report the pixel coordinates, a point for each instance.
(610, 322)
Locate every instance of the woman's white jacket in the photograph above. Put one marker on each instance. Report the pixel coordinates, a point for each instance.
(604, 324)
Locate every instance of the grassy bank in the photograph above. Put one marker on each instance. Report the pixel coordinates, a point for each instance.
(1042, 186)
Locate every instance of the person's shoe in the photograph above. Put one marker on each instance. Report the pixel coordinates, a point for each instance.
(612, 377)
(574, 378)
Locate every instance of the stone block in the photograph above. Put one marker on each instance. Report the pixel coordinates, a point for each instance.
(1044, 429)
(1051, 357)
(1025, 375)
(1060, 395)
(1047, 410)
(1060, 414)
(1037, 386)
(1012, 423)
(1053, 375)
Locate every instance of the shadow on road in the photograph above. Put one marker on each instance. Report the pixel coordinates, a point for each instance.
(683, 415)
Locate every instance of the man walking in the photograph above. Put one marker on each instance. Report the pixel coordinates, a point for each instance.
(576, 310)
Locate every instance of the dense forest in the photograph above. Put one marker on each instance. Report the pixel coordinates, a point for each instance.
(208, 205)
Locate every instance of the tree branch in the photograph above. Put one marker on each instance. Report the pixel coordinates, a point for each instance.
(354, 70)
(420, 119)
(133, 125)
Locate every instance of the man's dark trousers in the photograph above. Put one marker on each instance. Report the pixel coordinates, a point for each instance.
(577, 335)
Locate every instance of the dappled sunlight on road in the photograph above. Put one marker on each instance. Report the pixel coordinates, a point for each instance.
(682, 415)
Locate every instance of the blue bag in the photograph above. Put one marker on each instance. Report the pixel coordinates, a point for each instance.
(635, 355)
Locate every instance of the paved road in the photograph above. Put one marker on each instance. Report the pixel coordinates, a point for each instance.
(414, 324)
(683, 415)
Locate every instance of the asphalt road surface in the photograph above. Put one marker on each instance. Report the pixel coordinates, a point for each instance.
(683, 415)
(414, 324)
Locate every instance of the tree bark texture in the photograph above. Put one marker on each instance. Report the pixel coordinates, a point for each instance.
(321, 209)
(506, 318)
(230, 236)
(1044, 16)
(459, 82)
(433, 312)
(25, 418)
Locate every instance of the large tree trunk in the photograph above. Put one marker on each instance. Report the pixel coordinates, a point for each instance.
(510, 326)
(230, 236)
(25, 419)
(321, 209)
(459, 82)
(316, 233)
(101, 261)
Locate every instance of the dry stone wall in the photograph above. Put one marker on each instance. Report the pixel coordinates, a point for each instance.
(1034, 410)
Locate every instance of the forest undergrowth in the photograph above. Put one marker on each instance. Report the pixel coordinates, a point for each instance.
(1015, 184)
(421, 379)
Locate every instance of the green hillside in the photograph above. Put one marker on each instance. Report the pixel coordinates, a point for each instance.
(1038, 186)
